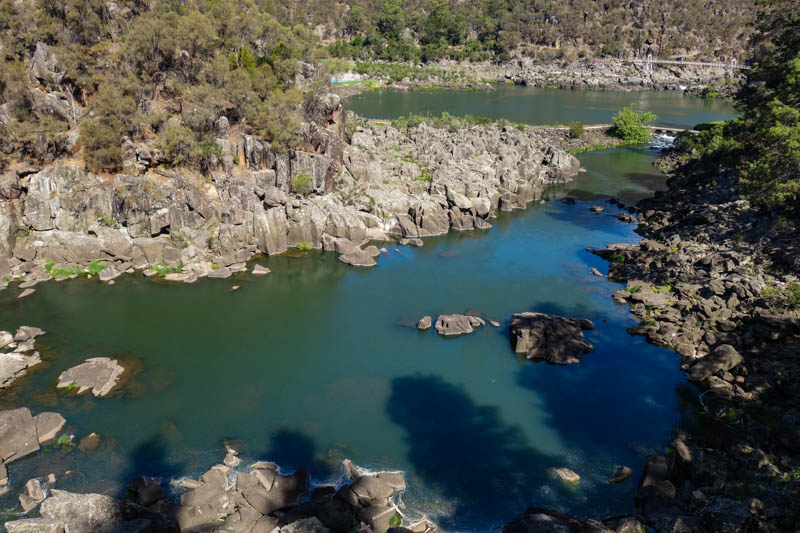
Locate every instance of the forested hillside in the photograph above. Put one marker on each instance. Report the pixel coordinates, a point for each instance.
(124, 70)
(85, 77)
(546, 28)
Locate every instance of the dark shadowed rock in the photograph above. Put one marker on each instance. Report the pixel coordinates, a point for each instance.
(621, 473)
(723, 358)
(89, 443)
(537, 520)
(555, 339)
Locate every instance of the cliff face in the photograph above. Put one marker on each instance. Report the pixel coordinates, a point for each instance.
(386, 183)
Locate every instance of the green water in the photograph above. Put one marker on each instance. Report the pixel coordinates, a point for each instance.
(542, 106)
(317, 362)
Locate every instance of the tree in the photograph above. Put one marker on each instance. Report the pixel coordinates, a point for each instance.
(769, 128)
(355, 22)
(391, 22)
(631, 125)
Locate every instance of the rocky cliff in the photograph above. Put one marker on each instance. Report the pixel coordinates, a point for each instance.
(385, 183)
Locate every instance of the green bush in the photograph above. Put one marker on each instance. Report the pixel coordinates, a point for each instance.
(575, 130)
(302, 185)
(780, 300)
(304, 246)
(632, 125)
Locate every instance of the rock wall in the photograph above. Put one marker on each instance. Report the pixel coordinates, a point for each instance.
(385, 184)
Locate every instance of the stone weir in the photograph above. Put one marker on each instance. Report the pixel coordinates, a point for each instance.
(383, 184)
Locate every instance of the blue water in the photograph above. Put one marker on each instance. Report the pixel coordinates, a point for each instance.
(318, 361)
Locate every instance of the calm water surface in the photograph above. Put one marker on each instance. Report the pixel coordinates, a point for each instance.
(317, 362)
(542, 106)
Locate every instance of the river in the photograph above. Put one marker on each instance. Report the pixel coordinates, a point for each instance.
(318, 361)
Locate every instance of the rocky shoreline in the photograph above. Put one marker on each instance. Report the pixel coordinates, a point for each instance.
(706, 281)
(227, 498)
(383, 185)
(582, 74)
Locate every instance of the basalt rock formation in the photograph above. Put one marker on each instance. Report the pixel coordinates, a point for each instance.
(385, 184)
(254, 500)
(554, 339)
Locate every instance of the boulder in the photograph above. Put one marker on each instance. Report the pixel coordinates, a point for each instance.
(259, 270)
(18, 436)
(555, 339)
(35, 525)
(566, 475)
(33, 495)
(358, 257)
(89, 443)
(48, 426)
(82, 513)
(147, 490)
(25, 333)
(537, 520)
(451, 325)
(621, 473)
(425, 322)
(722, 359)
(98, 374)
(15, 365)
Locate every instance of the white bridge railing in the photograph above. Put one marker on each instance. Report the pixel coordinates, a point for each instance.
(731, 65)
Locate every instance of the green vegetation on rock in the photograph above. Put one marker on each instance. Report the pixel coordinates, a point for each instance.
(631, 125)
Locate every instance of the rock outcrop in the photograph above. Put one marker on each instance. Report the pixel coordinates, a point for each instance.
(15, 364)
(98, 374)
(386, 184)
(260, 499)
(452, 325)
(555, 339)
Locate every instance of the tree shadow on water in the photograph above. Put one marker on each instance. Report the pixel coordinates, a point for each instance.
(151, 458)
(291, 449)
(483, 468)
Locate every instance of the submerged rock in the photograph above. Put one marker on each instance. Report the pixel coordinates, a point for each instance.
(555, 339)
(621, 473)
(100, 374)
(566, 475)
(451, 325)
(259, 270)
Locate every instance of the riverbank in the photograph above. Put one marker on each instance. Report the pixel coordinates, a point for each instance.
(585, 74)
(717, 281)
(386, 183)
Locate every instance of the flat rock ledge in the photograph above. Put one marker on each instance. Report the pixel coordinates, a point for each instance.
(452, 325)
(259, 499)
(15, 363)
(22, 434)
(554, 339)
(98, 374)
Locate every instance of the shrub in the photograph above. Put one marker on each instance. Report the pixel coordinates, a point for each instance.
(178, 144)
(631, 125)
(575, 130)
(780, 300)
(304, 246)
(302, 185)
(95, 267)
